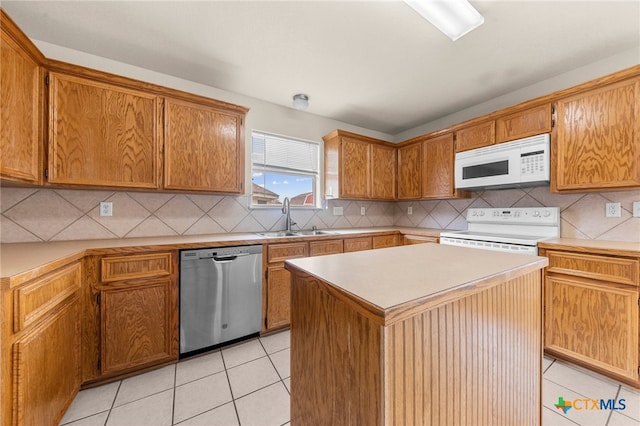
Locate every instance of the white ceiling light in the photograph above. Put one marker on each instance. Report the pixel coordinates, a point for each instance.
(455, 18)
(300, 101)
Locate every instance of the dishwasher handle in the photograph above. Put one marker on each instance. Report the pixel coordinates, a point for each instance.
(227, 258)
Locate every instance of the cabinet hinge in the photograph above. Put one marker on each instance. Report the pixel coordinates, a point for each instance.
(266, 274)
(553, 116)
(46, 173)
(46, 79)
(98, 299)
(99, 364)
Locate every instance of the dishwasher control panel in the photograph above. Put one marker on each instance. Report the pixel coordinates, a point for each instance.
(212, 252)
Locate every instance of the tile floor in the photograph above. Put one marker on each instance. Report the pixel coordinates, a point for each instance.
(248, 384)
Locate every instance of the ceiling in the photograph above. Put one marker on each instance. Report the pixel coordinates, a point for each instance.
(374, 64)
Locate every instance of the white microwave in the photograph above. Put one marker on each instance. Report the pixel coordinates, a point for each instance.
(523, 162)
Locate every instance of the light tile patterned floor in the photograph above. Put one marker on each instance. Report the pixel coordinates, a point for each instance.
(248, 384)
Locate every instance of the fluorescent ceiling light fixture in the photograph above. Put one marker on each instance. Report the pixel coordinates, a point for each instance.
(455, 18)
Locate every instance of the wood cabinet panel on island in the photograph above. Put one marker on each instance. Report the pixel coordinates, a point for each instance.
(21, 113)
(203, 148)
(597, 140)
(591, 312)
(102, 134)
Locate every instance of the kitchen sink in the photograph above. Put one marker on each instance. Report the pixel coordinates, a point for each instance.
(314, 232)
(278, 234)
(308, 232)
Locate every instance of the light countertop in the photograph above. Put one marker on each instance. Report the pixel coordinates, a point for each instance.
(391, 277)
(621, 248)
(20, 258)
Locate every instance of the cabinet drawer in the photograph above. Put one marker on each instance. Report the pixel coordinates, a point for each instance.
(284, 251)
(319, 248)
(381, 241)
(607, 268)
(36, 299)
(418, 239)
(120, 268)
(357, 244)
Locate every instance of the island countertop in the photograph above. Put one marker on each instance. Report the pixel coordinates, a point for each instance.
(388, 282)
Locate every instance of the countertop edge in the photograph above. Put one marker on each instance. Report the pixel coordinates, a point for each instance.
(410, 308)
(66, 252)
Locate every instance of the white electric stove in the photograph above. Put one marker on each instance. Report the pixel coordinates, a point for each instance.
(515, 230)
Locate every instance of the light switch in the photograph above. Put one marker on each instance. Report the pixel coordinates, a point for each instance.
(362, 211)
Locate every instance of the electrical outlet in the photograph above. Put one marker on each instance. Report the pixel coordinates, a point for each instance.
(337, 211)
(409, 210)
(613, 210)
(362, 211)
(636, 209)
(106, 208)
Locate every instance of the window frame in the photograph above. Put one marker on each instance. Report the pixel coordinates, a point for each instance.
(317, 178)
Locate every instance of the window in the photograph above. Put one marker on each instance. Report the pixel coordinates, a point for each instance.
(284, 167)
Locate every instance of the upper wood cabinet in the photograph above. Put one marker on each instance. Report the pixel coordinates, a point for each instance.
(529, 122)
(21, 82)
(597, 139)
(358, 167)
(476, 136)
(410, 171)
(204, 148)
(383, 172)
(438, 157)
(102, 134)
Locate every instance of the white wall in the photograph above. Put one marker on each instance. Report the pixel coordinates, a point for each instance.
(559, 82)
(262, 115)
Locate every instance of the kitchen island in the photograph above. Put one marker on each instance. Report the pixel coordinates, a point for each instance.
(423, 334)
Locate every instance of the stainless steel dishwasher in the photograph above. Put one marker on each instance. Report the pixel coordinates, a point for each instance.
(220, 296)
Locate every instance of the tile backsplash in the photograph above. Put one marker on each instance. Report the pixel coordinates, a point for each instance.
(44, 214)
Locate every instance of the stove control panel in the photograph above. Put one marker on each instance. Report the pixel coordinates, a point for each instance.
(516, 215)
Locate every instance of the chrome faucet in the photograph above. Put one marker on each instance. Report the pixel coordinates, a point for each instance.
(286, 209)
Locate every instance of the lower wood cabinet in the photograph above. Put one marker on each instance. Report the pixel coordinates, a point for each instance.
(131, 313)
(358, 244)
(418, 239)
(41, 347)
(138, 325)
(591, 312)
(277, 298)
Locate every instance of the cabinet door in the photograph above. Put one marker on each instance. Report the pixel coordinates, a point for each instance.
(138, 325)
(597, 142)
(320, 248)
(409, 171)
(476, 136)
(102, 135)
(46, 367)
(383, 172)
(593, 322)
(358, 244)
(19, 113)
(437, 167)
(204, 148)
(522, 124)
(382, 241)
(418, 239)
(355, 168)
(278, 297)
